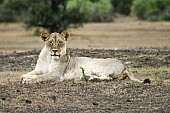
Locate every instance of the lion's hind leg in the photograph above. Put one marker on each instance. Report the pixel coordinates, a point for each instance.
(102, 77)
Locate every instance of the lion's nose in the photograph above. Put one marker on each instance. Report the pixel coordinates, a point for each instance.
(55, 50)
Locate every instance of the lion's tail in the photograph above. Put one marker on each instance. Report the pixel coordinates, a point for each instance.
(133, 78)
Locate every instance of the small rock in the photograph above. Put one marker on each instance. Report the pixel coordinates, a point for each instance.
(3, 98)
(28, 101)
(95, 103)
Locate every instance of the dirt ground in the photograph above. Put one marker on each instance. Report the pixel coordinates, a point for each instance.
(144, 47)
(70, 96)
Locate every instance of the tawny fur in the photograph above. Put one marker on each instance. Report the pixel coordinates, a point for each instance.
(55, 63)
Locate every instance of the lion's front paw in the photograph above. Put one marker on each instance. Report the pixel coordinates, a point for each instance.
(26, 79)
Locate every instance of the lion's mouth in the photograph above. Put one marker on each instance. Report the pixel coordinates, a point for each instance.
(56, 55)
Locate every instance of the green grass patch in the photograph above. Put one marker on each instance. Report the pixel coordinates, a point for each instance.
(157, 75)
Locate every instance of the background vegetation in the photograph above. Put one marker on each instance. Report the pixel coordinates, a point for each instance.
(153, 10)
(58, 15)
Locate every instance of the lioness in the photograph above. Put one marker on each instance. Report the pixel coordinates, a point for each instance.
(55, 63)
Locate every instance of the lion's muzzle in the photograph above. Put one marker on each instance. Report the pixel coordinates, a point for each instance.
(55, 53)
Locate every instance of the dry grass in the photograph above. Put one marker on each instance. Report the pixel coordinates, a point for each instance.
(10, 76)
(123, 33)
(14, 37)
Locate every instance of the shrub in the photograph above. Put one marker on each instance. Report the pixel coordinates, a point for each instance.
(94, 10)
(12, 10)
(53, 15)
(122, 6)
(152, 10)
(50, 14)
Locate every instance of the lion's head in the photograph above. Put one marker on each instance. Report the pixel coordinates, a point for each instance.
(56, 43)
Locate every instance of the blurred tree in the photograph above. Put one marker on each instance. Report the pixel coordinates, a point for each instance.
(11, 10)
(94, 0)
(122, 6)
(94, 10)
(53, 15)
(50, 14)
(1, 1)
(153, 10)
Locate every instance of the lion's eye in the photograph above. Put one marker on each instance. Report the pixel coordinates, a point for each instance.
(59, 43)
(51, 43)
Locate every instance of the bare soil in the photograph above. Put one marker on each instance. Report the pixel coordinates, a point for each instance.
(70, 96)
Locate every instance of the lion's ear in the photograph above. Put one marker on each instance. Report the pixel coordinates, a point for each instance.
(66, 34)
(44, 36)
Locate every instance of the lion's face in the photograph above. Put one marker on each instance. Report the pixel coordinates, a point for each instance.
(56, 43)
